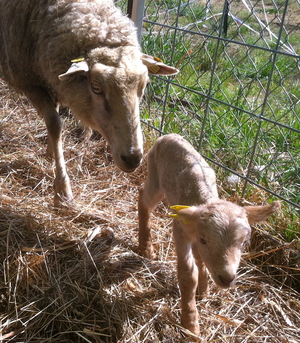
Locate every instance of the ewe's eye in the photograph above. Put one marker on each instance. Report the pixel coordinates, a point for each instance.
(202, 241)
(97, 89)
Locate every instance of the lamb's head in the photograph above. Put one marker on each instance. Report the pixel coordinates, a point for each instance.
(220, 230)
(104, 91)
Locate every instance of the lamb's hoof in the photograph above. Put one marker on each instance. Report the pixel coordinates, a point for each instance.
(62, 201)
(193, 330)
(202, 291)
(146, 252)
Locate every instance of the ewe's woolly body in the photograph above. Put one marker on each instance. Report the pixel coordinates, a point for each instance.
(39, 41)
(63, 30)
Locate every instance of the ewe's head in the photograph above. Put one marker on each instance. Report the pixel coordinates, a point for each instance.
(105, 90)
(220, 230)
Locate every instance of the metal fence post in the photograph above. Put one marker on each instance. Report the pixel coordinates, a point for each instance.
(135, 10)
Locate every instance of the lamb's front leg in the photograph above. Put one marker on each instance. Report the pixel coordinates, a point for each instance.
(145, 238)
(149, 196)
(202, 274)
(187, 278)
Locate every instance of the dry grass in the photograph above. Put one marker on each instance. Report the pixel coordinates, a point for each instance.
(75, 276)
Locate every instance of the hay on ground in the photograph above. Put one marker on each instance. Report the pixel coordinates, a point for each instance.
(75, 275)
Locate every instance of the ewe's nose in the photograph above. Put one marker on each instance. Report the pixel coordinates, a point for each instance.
(132, 161)
(227, 281)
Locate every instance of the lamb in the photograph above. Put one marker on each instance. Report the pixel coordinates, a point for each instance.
(83, 54)
(208, 232)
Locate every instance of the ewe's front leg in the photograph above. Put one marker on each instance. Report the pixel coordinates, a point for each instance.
(187, 278)
(46, 109)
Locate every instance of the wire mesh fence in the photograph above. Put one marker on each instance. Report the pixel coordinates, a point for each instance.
(237, 96)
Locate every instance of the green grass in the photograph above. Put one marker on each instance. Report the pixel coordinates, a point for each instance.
(219, 83)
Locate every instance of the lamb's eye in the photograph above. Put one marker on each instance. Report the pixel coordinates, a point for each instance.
(97, 89)
(202, 241)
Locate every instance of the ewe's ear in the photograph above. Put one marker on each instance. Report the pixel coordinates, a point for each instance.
(157, 67)
(260, 213)
(77, 67)
(183, 213)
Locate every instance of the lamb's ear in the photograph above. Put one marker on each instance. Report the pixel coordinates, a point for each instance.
(157, 67)
(257, 214)
(77, 67)
(183, 213)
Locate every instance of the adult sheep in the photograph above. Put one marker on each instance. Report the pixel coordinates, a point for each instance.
(85, 55)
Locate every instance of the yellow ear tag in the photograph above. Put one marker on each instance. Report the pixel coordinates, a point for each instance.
(176, 216)
(80, 59)
(154, 68)
(178, 207)
(158, 59)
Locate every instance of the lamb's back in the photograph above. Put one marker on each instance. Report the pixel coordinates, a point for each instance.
(184, 175)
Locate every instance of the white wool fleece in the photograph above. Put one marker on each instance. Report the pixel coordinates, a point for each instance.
(60, 31)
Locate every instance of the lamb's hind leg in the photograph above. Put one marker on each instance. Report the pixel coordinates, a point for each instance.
(46, 109)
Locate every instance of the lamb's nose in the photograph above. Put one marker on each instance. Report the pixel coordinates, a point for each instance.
(132, 161)
(227, 281)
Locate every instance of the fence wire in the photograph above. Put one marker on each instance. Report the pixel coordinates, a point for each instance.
(237, 96)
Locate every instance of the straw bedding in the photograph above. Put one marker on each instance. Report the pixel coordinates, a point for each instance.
(74, 275)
